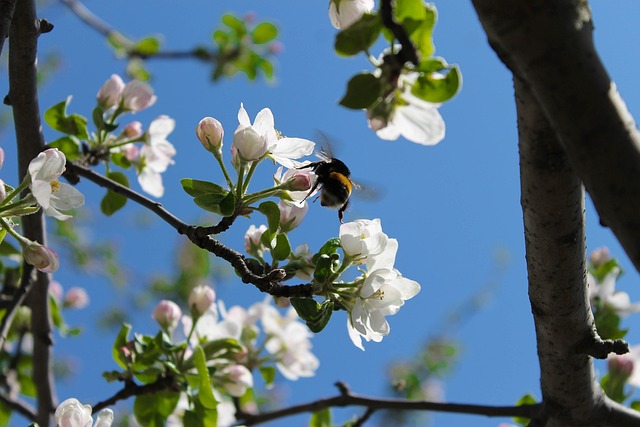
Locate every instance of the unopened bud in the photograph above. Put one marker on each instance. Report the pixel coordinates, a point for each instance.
(210, 133)
(200, 299)
(133, 130)
(76, 298)
(599, 256)
(41, 257)
(109, 94)
(620, 366)
(167, 314)
(300, 181)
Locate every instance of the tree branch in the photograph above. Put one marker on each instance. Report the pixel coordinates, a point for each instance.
(346, 398)
(549, 45)
(268, 283)
(132, 389)
(23, 97)
(20, 407)
(26, 283)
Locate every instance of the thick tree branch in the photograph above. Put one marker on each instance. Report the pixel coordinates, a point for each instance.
(346, 398)
(268, 283)
(23, 97)
(553, 210)
(550, 46)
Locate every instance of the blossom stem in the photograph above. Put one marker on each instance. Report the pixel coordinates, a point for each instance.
(24, 184)
(191, 331)
(28, 201)
(218, 156)
(252, 169)
(21, 239)
(240, 184)
(253, 197)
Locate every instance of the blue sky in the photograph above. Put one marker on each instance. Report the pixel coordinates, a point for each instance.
(451, 207)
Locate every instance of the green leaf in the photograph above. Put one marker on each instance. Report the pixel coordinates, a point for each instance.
(527, 399)
(3, 233)
(228, 204)
(412, 9)
(635, 405)
(195, 187)
(315, 315)
(267, 68)
(205, 393)
(604, 269)
(268, 374)
(210, 202)
(57, 118)
(200, 416)
(121, 341)
(147, 45)
(137, 70)
(152, 410)
(421, 31)
(234, 23)
(330, 247)
(282, 249)
(272, 212)
(69, 145)
(264, 32)
(437, 87)
(5, 415)
(119, 159)
(359, 36)
(321, 418)
(113, 202)
(362, 91)
(324, 267)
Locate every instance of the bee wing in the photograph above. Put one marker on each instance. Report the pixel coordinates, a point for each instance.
(366, 192)
(326, 146)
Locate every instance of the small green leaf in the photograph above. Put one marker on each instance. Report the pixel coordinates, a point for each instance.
(362, 91)
(635, 405)
(324, 267)
(359, 36)
(195, 187)
(205, 392)
(268, 375)
(119, 159)
(413, 9)
(272, 212)
(57, 118)
(147, 46)
(282, 249)
(113, 202)
(210, 202)
(437, 87)
(527, 399)
(7, 248)
(121, 341)
(315, 315)
(264, 32)
(3, 233)
(69, 145)
(321, 418)
(137, 70)
(421, 31)
(152, 410)
(234, 23)
(330, 247)
(228, 204)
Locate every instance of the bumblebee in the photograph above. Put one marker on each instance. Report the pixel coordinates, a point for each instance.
(334, 176)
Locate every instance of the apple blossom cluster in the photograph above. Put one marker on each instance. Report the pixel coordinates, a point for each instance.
(72, 413)
(402, 95)
(220, 347)
(46, 192)
(379, 290)
(148, 151)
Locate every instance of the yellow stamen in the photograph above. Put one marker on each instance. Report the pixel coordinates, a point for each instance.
(55, 185)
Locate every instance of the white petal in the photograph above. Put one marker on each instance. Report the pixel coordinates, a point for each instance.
(354, 335)
(243, 117)
(264, 121)
(420, 123)
(293, 148)
(151, 182)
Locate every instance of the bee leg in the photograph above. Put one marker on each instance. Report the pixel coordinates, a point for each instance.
(315, 185)
(341, 210)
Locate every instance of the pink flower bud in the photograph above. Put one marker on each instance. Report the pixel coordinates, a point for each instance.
(41, 257)
(137, 96)
(200, 299)
(237, 378)
(167, 314)
(109, 94)
(599, 256)
(210, 133)
(1, 157)
(55, 290)
(282, 302)
(131, 152)
(620, 366)
(300, 181)
(76, 298)
(275, 48)
(133, 130)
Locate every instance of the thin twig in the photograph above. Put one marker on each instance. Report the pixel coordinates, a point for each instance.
(23, 408)
(6, 15)
(132, 389)
(16, 301)
(408, 52)
(349, 399)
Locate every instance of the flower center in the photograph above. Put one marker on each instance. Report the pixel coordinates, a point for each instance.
(55, 185)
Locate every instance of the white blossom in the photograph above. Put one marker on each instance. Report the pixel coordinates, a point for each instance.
(343, 13)
(51, 194)
(362, 239)
(605, 294)
(156, 155)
